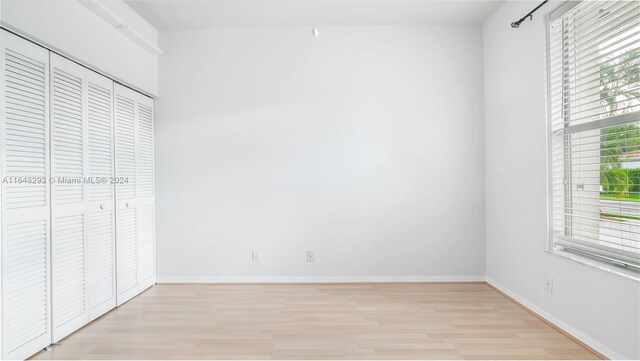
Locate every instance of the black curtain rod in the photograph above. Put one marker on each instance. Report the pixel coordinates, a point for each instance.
(516, 24)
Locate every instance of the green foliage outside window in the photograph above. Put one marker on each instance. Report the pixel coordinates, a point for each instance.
(620, 94)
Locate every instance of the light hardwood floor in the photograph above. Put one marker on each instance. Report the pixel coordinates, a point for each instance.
(321, 321)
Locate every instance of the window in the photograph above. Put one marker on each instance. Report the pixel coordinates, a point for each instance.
(594, 101)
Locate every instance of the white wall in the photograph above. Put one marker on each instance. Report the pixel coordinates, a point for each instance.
(72, 30)
(601, 308)
(364, 145)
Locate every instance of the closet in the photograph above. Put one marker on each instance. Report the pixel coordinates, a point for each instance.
(77, 198)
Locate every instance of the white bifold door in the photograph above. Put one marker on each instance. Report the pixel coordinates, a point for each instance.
(82, 195)
(76, 199)
(25, 241)
(135, 206)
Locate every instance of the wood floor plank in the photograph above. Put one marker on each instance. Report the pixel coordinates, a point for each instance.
(319, 321)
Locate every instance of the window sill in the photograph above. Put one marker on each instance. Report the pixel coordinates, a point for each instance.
(601, 265)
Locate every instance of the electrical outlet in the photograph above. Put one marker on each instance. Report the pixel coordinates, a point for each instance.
(254, 257)
(310, 257)
(548, 286)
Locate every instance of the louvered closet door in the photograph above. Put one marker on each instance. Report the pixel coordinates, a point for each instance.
(24, 142)
(126, 193)
(68, 196)
(101, 275)
(146, 194)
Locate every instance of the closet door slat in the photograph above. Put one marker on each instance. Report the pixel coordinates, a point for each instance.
(146, 193)
(126, 193)
(69, 234)
(25, 240)
(101, 168)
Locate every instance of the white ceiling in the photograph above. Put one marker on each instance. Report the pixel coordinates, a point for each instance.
(202, 14)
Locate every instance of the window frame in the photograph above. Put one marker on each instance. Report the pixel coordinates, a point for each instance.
(584, 257)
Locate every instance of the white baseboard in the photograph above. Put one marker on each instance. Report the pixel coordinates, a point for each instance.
(345, 279)
(604, 350)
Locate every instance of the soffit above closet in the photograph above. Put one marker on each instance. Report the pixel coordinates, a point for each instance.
(198, 14)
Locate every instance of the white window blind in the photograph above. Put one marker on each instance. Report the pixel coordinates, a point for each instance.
(594, 98)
